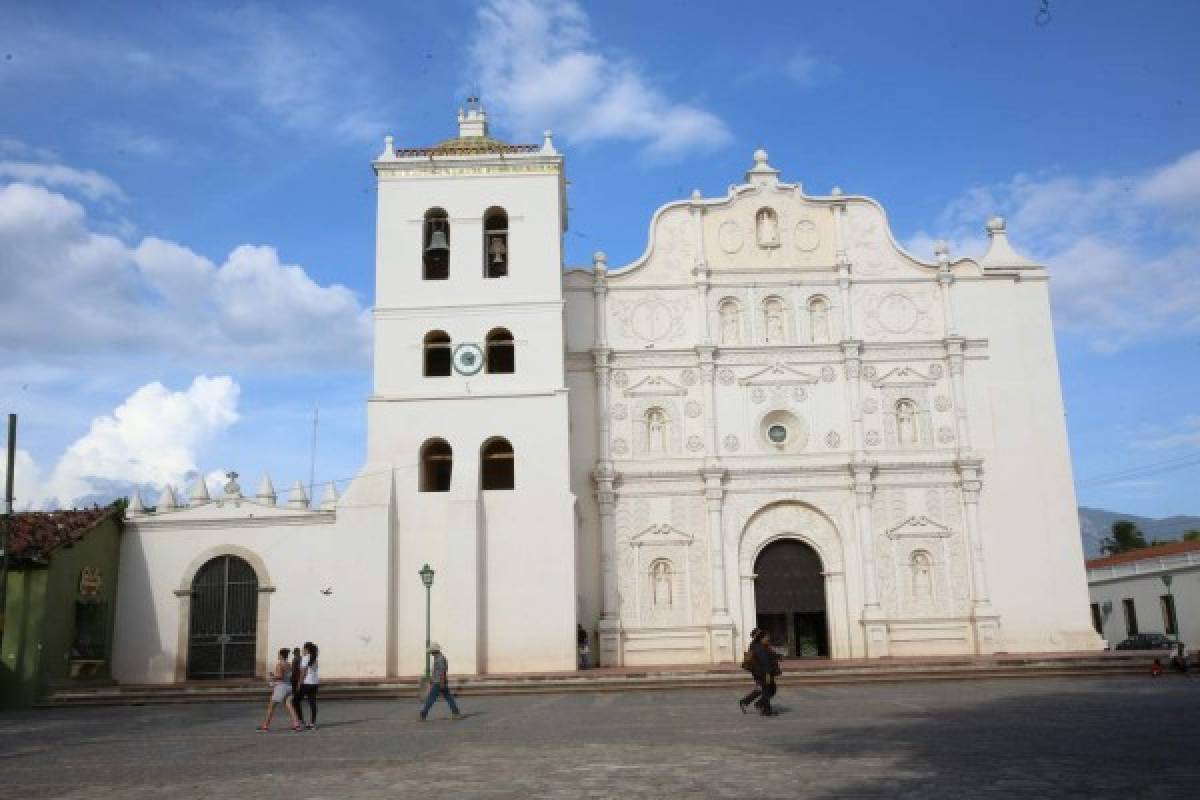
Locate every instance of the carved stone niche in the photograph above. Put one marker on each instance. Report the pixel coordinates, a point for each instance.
(907, 419)
(921, 560)
(662, 576)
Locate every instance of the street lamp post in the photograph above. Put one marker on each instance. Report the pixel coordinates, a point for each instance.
(426, 573)
(1167, 579)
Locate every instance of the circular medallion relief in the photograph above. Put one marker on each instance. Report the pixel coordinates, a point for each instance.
(651, 320)
(807, 236)
(730, 237)
(898, 313)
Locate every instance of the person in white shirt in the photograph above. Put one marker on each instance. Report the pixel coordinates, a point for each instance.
(310, 680)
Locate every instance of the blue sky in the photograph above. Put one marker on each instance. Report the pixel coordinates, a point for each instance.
(187, 207)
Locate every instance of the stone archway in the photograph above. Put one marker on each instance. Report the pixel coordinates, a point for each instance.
(792, 520)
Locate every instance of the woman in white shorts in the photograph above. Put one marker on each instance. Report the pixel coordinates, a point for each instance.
(281, 692)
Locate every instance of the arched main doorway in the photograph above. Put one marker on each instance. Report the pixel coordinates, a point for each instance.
(789, 595)
(223, 620)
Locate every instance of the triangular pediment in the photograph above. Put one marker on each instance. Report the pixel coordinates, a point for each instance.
(655, 386)
(918, 526)
(779, 374)
(903, 377)
(662, 533)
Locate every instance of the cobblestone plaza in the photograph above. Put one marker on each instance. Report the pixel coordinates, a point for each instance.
(1116, 737)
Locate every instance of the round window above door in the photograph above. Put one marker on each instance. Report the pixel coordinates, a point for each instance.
(468, 359)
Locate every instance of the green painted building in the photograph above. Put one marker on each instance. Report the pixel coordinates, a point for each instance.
(60, 602)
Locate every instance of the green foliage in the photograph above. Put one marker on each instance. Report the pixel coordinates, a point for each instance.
(1125, 537)
(1191, 536)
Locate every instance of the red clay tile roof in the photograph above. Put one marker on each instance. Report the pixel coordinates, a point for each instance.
(1158, 551)
(37, 534)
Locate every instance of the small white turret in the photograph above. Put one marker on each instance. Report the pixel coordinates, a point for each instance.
(548, 143)
(762, 173)
(389, 149)
(136, 506)
(297, 497)
(167, 501)
(199, 494)
(330, 498)
(1000, 254)
(266, 491)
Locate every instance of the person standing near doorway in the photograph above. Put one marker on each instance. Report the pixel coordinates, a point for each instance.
(439, 683)
(581, 639)
(310, 681)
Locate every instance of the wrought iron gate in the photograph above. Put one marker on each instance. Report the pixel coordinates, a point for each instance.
(223, 623)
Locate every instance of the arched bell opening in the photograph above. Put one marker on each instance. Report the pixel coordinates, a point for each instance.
(435, 245)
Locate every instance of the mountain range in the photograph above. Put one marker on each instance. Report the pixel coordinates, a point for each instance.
(1095, 524)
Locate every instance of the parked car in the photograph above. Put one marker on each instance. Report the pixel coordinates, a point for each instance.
(1146, 641)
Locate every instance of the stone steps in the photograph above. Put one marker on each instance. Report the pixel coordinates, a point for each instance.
(796, 673)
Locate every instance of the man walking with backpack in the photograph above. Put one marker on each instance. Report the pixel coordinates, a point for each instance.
(439, 683)
(763, 664)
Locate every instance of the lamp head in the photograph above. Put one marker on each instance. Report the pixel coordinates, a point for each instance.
(1166, 579)
(426, 574)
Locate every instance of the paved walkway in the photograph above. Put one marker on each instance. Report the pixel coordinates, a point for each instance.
(1117, 737)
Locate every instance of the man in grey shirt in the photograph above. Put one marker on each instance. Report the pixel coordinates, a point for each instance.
(439, 683)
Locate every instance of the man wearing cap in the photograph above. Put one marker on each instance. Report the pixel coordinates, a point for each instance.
(439, 683)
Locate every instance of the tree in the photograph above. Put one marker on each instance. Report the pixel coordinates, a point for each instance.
(1191, 536)
(1125, 537)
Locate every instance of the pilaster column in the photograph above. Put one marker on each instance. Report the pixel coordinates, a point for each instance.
(700, 268)
(972, 485)
(874, 626)
(721, 626)
(602, 355)
(708, 367)
(852, 358)
(956, 347)
(610, 618)
(842, 261)
(945, 281)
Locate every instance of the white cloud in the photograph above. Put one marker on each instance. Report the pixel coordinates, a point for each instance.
(150, 438)
(806, 69)
(1185, 435)
(539, 64)
(1123, 251)
(91, 183)
(313, 70)
(73, 291)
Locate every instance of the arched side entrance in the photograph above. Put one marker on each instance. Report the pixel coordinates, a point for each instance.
(801, 524)
(789, 597)
(223, 620)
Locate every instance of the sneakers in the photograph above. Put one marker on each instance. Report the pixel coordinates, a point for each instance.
(421, 716)
(312, 726)
(263, 729)
(742, 705)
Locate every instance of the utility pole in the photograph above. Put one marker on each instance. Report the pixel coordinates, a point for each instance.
(7, 518)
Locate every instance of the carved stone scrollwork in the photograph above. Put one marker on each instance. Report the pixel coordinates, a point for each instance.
(833, 440)
(945, 435)
(620, 447)
(620, 379)
(870, 372)
(726, 377)
(688, 377)
(695, 443)
(942, 403)
(936, 371)
(731, 443)
(620, 411)
(870, 405)
(693, 409)
(827, 374)
(873, 438)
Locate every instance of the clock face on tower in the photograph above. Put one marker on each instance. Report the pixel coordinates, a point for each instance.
(468, 359)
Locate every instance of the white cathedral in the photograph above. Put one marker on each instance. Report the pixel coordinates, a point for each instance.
(775, 417)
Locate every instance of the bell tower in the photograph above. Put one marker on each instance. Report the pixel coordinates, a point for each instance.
(469, 405)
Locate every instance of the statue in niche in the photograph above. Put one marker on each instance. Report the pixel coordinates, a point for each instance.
(656, 431)
(818, 310)
(767, 226)
(660, 580)
(906, 422)
(731, 323)
(773, 316)
(922, 576)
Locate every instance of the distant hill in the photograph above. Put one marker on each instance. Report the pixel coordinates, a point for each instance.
(1095, 524)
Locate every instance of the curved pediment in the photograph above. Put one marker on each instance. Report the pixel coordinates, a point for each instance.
(763, 227)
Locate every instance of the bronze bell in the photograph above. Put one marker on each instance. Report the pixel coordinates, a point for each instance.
(437, 242)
